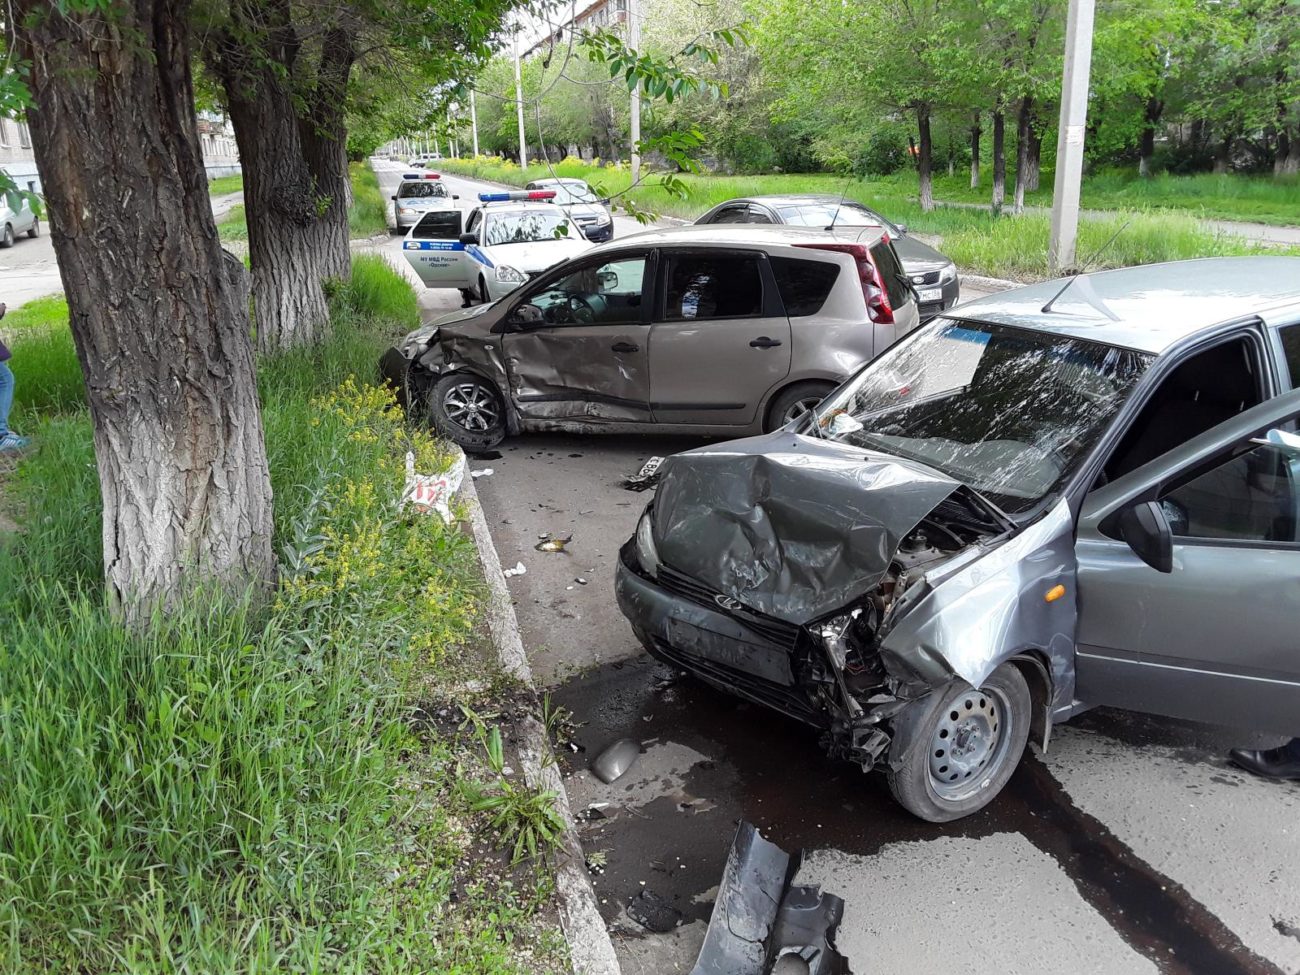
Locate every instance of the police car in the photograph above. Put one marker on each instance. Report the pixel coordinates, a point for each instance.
(416, 195)
(507, 239)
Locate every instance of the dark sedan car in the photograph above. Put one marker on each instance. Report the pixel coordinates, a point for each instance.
(933, 274)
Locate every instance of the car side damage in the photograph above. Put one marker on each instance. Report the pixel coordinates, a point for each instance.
(841, 585)
(762, 923)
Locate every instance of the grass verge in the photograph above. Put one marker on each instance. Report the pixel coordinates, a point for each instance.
(1002, 246)
(222, 185)
(286, 789)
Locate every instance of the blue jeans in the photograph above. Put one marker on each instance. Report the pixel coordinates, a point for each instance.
(6, 396)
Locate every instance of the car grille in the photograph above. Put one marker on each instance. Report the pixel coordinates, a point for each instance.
(787, 700)
(929, 277)
(779, 632)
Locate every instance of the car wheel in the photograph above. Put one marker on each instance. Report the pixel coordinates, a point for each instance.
(34, 230)
(8, 239)
(955, 749)
(794, 402)
(467, 410)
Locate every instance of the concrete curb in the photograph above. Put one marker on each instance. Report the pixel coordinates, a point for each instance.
(590, 949)
(990, 284)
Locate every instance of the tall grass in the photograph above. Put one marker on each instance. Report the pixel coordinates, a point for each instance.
(48, 376)
(1002, 246)
(229, 790)
(368, 214)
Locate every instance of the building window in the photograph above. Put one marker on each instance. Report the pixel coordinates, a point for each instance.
(24, 136)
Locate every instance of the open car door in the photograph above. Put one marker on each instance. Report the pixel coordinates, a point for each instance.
(433, 249)
(1189, 578)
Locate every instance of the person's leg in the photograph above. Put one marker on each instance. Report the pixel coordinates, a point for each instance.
(6, 396)
(1282, 762)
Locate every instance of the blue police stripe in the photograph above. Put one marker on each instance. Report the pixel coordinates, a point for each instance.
(478, 255)
(433, 245)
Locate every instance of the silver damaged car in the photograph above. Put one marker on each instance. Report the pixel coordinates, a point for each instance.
(1084, 492)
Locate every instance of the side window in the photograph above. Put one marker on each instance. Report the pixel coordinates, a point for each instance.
(438, 225)
(804, 285)
(1251, 497)
(1291, 348)
(730, 215)
(597, 294)
(707, 286)
(892, 273)
(474, 219)
(758, 214)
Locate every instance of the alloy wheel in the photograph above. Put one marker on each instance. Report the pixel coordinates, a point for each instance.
(471, 405)
(799, 407)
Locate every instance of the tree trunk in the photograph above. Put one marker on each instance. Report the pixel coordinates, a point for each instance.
(1288, 153)
(1023, 135)
(924, 158)
(159, 321)
(1034, 174)
(1147, 141)
(292, 146)
(975, 152)
(999, 158)
(1223, 153)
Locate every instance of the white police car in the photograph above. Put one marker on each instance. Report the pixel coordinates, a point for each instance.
(507, 239)
(416, 195)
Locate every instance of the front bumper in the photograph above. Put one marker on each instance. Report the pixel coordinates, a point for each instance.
(749, 657)
(597, 234)
(951, 293)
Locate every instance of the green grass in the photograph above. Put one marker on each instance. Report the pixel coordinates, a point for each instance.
(47, 374)
(222, 185)
(233, 225)
(241, 791)
(1004, 246)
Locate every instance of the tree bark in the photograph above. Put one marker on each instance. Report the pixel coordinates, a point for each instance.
(999, 158)
(1288, 153)
(975, 151)
(925, 158)
(159, 320)
(1147, 141)
(292, 147)
(1024, 133)
(1035, 170)
(1223, 153)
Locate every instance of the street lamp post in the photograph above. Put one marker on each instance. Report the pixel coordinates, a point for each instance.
(1069, 140)
(519, 103)
(473, 120)
(633, 41)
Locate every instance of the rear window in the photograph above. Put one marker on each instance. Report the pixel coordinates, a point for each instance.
(895, 281)
(804, 285)
(700, 286)
(439, 225)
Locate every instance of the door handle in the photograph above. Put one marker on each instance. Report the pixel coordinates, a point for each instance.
(624, 347)
(763, 342)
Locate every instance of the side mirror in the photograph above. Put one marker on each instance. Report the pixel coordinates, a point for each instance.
(393, 197)
(902, 227)
(1148, 534)
(455, 196)
(469, 238)
(525, 315)
(607, 280)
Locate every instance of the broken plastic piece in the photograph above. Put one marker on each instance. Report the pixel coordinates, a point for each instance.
(616, 759)
(646, 477)
(580, 581)
(761, 925)
(518, 570)
(485, 472)
(653, 913)
(431, 492)
(553, 543)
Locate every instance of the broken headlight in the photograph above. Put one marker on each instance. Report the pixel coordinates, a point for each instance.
(646, 553)
(416, 341)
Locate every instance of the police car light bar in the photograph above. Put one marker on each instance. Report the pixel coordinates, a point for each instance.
(517, 195)
(421, 175)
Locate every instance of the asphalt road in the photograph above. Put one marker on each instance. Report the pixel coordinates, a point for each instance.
(1130, 847)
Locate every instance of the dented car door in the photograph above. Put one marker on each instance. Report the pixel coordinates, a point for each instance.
(576, 345)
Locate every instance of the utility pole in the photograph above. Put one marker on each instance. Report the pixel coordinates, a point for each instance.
(519, 102)
(473, 120)
(634, 41)
(1069, 140)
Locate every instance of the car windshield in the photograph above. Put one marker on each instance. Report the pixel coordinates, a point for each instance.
(829, 213)
(1007, 411)
(566, 193)
(421, 190)
(523, 226)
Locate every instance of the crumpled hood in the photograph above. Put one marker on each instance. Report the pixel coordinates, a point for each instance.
(791, 526)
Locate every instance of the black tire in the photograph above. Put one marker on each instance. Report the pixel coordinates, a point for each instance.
(34, 230)
(8, 239)
(925, 735)
(778, 413)
(466, 387)
(482, 290)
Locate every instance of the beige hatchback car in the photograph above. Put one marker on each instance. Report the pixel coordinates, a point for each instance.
(714, 330)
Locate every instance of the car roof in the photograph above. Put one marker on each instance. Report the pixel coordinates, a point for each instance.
(1150, 307)
(560, 181)
(793, 199)
(753, 233)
